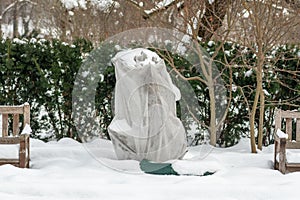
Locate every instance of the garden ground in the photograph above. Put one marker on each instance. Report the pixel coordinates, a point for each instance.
(69, 170)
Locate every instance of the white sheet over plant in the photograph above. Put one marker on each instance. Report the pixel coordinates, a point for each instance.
(145, 125)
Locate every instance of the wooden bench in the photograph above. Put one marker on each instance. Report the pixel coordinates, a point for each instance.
(290, 120)
(13, 136)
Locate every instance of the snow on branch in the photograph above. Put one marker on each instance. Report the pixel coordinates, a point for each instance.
(102, 5)
(281, 7)
(162, 5)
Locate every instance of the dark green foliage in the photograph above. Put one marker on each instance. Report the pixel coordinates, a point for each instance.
(283, 83)
(104, 99)
(43, 72)
(92, 94)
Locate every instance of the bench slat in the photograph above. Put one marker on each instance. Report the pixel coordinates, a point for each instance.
(277, 120)
(14, 162)
(289, 114)
(16, 121)
(4, 125)
(11, 109)
(298, 130)
(289, 127)
(293, 167)
(9, 161)
(292, 145)
(10, 140)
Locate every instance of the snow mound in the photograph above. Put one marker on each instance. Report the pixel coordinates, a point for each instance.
(36, 143)
(199, 167)
(69, 142)
(242, 146)
(100, 143)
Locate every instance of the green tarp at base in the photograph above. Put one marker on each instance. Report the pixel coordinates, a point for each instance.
(163, 169)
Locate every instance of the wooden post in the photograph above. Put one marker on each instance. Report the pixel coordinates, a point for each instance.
(26, 114)
(277, 120)
(26, 140)
(282, 156)
(22, 152)
(277, 126)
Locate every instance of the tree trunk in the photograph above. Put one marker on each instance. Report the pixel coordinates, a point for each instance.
(1, 34)
(261, 120)
(212, 103)
(252, 121)
(15, 20)
(259, 98)
(25, 22)
(261, 92)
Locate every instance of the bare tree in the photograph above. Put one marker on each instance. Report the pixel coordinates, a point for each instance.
(194, 22)
(262, 25)
(20, 13)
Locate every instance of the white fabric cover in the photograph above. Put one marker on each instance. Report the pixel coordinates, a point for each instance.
(145, 125)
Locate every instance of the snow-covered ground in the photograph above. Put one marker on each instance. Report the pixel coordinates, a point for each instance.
(69, 170)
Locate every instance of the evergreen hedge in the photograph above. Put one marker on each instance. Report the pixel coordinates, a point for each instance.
(42, 72)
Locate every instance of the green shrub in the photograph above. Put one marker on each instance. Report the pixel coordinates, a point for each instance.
(42, 72)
